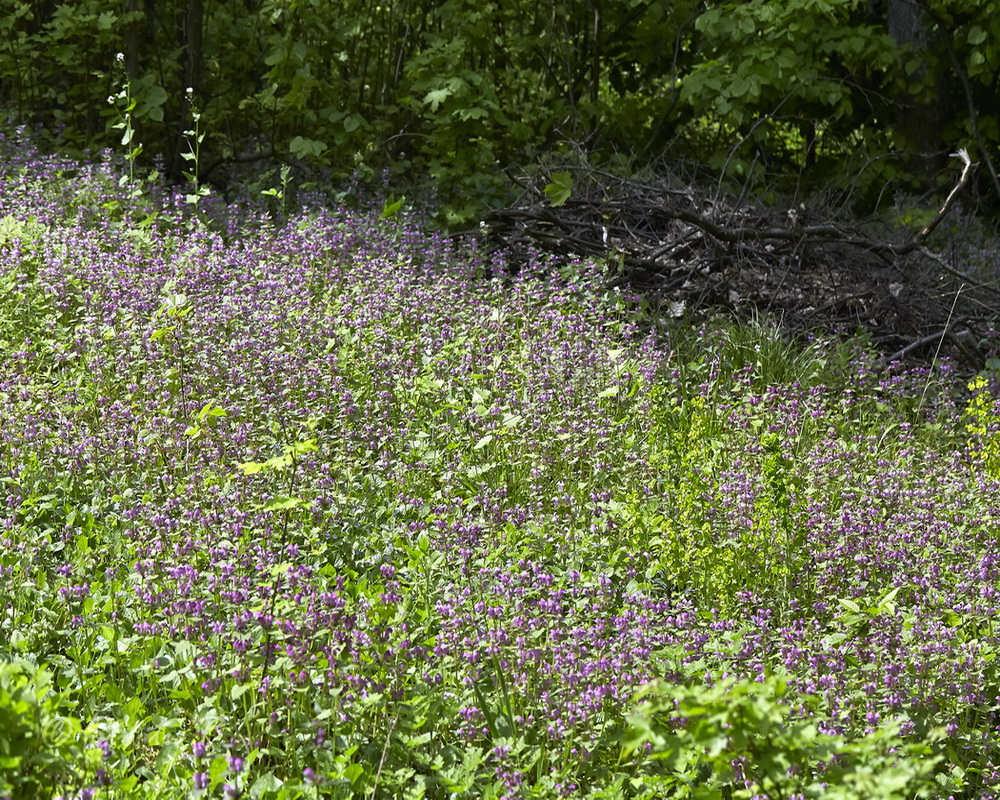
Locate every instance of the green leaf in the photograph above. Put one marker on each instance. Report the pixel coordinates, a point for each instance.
(238, 690)
(976, 35)
(265, 783)
(479, 471)
(282, 503)
(740, 86)
(391, 207)
(211, 410)
(354, 773)
(560, 189)
(154, 96)
(304, 446)
(303, 148)
(436, 97)
(219, 768)
(887, 603)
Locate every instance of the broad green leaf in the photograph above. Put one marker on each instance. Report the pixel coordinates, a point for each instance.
(303, 147)
(391, 207)
(354, 773)
(265, 783)
(436, 97)
(282, 503)
(560, 189)
(740, 86)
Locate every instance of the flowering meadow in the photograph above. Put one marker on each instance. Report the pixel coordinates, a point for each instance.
(311, 503)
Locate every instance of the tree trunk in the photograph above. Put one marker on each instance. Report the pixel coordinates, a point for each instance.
(194, 27)
(919, 120)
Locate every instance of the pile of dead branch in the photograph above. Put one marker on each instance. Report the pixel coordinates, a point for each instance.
(696, 253)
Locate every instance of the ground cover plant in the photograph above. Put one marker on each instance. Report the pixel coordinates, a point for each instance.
(320, 504)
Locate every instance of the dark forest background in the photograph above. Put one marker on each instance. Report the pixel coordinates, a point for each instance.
(461, 96)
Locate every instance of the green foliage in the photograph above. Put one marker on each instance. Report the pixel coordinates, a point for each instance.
(391, 207)
(964, 40)
(742, 739)
(126, 107)
(194, 137)
(461, 91)
(44, 749)
(560, 190)
(984, 426)
(784, 80)
(458, 92)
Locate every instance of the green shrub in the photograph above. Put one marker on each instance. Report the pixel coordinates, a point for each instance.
(43, 747)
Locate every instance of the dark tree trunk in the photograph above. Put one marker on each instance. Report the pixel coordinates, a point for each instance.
(194, 28)
(140, 37)
(919, 121)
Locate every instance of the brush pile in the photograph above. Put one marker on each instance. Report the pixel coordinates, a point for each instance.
(697, 253)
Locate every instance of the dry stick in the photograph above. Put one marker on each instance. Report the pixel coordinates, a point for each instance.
(949, 200)
(832, 231)
(952, 271)
(916, 344)
(732, 152)
(385, 752)
(947, 328)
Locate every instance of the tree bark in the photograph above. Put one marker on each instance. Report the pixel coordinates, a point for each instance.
(918, 120)
(194, 27)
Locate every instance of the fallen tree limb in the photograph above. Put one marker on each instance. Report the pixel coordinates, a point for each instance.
(916, 344)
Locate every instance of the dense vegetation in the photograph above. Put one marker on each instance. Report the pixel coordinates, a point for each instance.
(865, 97)
(314, 503)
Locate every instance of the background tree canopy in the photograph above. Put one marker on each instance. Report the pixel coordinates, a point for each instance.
(455, 94)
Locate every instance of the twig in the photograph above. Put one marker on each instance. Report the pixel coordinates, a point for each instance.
(385, 751)
(916, 344)
(954, 272)
(945, 332)
(918, 239)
